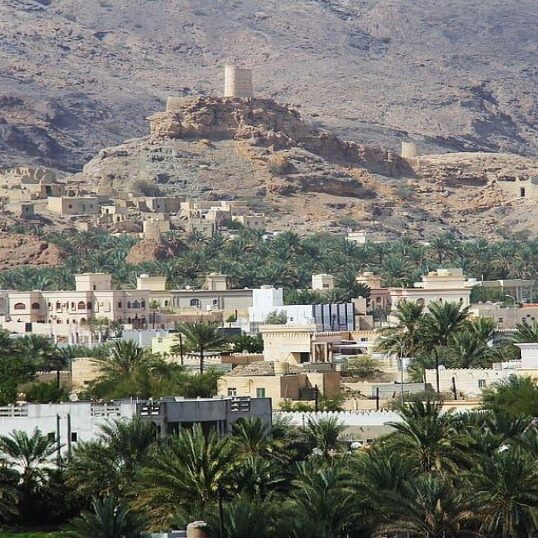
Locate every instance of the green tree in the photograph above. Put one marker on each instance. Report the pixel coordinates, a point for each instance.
(31, 456)
(46, 393)
(323, 434)
(428, 437)
(526, 333)
(322, 495)
(184, 477)
(514, 396)
(430, 507)
(110, 464)
(276, 318)
(108, 518)
(202, 337)
(505, 492)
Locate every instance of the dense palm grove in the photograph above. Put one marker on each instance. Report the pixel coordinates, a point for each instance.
(287, 260)
(127, 370)
(437, 475)
(444, 333)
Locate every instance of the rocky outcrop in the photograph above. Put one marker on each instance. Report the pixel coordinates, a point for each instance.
(263, 122)
(146, 250)
(474, 168)
(17, 250)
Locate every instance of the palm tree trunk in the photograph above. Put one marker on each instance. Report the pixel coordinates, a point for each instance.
(437, 372)
(201, 359)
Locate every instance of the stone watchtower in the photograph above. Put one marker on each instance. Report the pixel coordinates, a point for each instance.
(409, 149)
(238, 82)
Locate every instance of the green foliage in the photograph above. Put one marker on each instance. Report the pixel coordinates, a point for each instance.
(286, 260)
(46, 393)
(480, 294)
(248, 343)
(107, 518)
(514, 396)
(362, 367)
(276, 318)
(201, 337)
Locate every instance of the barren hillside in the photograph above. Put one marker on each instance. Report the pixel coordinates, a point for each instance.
(81, 75)
(310, 180)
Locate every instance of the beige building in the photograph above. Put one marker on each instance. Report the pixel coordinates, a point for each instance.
(443, 285)
(161, 204)
(216, 297)
(520, 290)
(520, 187)
(379, 298)
(73, 205)
(506, 319)
(470, 382)
(299, 344)
(238, 82)
(279, 381)
(322, 282)
(252, 222)
(93, 297)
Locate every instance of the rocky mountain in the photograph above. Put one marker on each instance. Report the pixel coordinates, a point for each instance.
(456, 75)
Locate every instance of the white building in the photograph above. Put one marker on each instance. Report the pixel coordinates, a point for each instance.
(267, 300)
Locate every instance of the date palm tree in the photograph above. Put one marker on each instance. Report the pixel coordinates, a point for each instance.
(108, 518)
(32, 457)
(125, 358)
(185, 476)
(515, 396)
(322, 435)
(526, 333)
(430, 507)
(428, 437)
(201, 337)
(505, 491)
(110, 464)
(324, 504)
(405, 338)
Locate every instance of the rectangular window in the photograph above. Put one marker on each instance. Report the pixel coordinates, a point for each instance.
(232, 391)
(74, 437)
(260, 393)
(51, 436)
(501, 320)
(481, 383)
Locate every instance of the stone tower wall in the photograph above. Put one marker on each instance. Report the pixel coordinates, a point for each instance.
(409, 150)
(238, 82)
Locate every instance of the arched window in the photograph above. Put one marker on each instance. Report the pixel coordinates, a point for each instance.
(143, 304)
(58, 306)
(165, 303)
(129, 320)
(420, 302)
(58, 321)
(136, 304)
(35, 306)
(89, 305)
(67, 320)
(81, 305)
(82, 320)
(72, 306)
(195, 302)
(128, 304)
(19, 306)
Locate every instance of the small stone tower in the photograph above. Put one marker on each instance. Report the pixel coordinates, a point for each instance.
(409, 149)
(237, 82)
